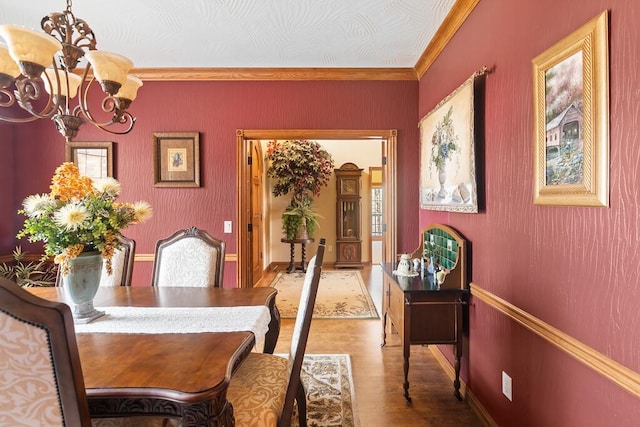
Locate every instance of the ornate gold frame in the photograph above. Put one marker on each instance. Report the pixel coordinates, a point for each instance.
(592, 40)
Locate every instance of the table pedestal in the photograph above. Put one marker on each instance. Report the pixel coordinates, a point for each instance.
(292, 265)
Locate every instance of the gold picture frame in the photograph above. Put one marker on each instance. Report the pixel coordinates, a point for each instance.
(176, 159)
(93, 159)
(571, 133)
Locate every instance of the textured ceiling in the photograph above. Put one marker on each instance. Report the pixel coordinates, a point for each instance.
(252, 33)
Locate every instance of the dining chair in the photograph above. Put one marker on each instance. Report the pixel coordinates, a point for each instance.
(265, 387)
(189, 257)
(41, 380)
(121, 265)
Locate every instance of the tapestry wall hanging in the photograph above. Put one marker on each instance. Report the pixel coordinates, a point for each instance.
(447, 153)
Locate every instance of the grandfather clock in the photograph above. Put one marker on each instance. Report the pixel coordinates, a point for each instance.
(349, 239)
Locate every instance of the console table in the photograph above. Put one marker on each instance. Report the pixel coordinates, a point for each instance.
(424, 310)
(292, 265)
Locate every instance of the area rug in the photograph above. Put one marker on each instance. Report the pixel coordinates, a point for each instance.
(328, 381)
(342, 294)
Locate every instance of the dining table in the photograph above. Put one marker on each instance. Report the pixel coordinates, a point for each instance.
(173, 374)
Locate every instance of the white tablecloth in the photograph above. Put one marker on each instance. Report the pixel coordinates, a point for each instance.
(181, 320)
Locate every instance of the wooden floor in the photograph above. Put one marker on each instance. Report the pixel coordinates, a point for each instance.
(378, 374)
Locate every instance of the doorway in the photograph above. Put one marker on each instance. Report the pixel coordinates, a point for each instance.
(245, 149)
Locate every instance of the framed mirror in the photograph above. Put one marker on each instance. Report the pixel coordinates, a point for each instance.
(94, 159)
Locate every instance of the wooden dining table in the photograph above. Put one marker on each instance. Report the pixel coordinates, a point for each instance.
(174, 375)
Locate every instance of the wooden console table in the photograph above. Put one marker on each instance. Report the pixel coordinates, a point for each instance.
(422, 310)
(292, 265)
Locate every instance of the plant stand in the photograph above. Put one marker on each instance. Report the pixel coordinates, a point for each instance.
(292, 266)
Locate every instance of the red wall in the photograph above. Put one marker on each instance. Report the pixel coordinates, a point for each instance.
(7, 209)
(575, 268)
(216, 110)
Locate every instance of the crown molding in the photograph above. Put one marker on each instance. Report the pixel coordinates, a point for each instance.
(254, 74)
(453, 21)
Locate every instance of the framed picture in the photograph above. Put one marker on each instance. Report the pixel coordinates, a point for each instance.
(176, 159)
(447, 153)
(571, 119)
(94, 159)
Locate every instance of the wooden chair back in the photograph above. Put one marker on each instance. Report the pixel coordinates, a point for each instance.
(189, 257)
(40, 357)
(301, 332)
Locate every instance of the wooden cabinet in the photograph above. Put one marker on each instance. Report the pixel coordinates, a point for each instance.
(424, 310)
(348, 216)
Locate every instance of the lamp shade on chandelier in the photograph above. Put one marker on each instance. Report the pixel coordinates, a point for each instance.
(37, 73)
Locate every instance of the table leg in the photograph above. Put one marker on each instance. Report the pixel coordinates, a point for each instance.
(456, 382)
(292, 266)
(406, 378)
(303, 266)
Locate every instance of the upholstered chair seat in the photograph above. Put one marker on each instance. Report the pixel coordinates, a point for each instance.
(258, 389)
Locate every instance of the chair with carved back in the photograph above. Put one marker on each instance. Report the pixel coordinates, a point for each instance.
(190, 257)
(121, 265)
(265, 387)
(41, 380)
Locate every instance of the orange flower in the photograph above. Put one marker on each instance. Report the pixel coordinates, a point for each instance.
(68, 184)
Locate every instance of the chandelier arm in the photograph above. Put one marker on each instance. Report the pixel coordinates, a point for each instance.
(125, 117)
(27, 90)
(109, 105)
(11, 100)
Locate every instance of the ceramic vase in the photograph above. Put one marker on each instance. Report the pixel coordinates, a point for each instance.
(81, 285)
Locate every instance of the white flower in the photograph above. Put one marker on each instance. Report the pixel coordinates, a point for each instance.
(108, 185)
(142, 211)
(71, 216)
(34, 206)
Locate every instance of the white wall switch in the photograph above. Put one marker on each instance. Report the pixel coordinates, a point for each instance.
(227, 226)
(506, 386)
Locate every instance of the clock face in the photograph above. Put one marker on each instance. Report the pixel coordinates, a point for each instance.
(349, 186)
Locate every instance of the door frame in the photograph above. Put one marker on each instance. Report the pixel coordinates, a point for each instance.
(389, 139)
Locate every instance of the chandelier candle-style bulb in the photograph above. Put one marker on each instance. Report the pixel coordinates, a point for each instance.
(110, 69)
(74, 83)
(31, 50)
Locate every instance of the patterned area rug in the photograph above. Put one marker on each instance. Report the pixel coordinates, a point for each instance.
(341, 295)
(330, 396)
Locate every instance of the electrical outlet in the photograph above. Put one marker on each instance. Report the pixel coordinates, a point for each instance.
(227, 226)
(506, 386)
(329, 248)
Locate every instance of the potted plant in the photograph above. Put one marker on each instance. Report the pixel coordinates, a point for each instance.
(300, 219)
(300, 168)
(41, 273)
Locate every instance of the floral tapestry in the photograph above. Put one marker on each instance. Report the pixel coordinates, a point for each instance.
(447, 154)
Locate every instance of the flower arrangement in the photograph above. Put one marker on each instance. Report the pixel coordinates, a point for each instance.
(79, 215)
(444, 141)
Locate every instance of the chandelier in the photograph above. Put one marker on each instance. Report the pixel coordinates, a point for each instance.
(33, 63)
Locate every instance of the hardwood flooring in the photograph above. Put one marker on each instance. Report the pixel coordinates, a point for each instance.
(378, 373)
